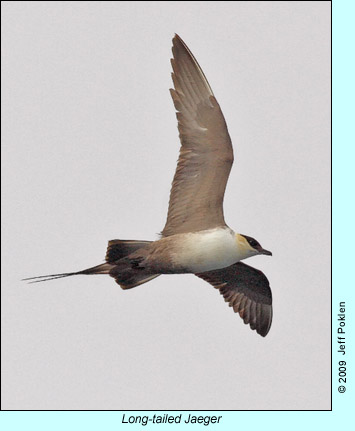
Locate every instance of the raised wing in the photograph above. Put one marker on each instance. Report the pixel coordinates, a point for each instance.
(247, 290)
(206, 153)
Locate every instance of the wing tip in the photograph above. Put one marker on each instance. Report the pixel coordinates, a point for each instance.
(264, 324)
(177, 38)
(182, 58)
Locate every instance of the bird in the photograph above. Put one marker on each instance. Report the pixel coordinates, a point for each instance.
(195, 238)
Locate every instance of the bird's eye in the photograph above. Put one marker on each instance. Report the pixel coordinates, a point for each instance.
(253, 243)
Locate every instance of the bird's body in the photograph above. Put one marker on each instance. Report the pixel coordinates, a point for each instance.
(193, 252)
(205, 250)
(195, 238)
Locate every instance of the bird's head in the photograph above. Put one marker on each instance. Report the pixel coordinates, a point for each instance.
(250, 246)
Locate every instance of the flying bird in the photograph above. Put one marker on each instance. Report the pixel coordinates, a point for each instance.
(195, 238)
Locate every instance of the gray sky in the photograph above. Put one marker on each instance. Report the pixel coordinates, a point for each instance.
(90, 145)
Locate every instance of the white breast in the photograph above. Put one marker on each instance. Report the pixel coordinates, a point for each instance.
(206, 250)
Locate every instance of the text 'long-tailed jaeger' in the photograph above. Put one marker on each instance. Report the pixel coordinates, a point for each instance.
(195, 238)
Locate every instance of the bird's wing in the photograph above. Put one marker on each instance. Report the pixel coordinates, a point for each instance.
(206, 153)
(247, 290)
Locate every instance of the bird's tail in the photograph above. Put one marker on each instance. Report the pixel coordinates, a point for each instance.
(118, 265)
(104, 268)
(119, 248)
(125, 257)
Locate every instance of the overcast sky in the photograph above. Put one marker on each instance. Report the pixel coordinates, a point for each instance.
(90, 145)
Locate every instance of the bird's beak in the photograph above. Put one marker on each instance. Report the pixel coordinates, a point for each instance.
(267, 252)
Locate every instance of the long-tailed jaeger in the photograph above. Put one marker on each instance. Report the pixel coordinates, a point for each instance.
(195, 238)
